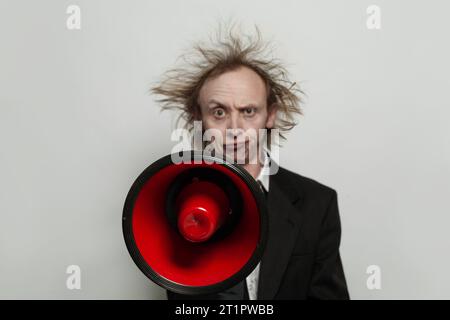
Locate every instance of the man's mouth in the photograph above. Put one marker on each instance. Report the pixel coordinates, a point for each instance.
(234, 145)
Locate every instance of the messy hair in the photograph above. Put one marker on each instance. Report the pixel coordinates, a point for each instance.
(227, 51)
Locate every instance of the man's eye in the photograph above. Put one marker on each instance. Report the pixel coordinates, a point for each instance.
(219, 112)
(249, 111)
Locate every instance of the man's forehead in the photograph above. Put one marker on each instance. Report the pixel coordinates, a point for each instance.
(242, 86)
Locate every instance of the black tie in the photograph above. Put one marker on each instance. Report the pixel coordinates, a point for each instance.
(262, 188)
(246, 296)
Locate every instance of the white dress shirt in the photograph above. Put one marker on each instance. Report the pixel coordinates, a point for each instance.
(253, 278)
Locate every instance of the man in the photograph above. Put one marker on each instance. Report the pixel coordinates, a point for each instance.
(232, 86)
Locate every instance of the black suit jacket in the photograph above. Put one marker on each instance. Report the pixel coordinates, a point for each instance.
(301, 259)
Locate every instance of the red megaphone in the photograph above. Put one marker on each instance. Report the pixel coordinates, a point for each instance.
(195, 224)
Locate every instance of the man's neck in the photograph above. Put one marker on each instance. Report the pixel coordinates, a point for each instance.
(253, 169)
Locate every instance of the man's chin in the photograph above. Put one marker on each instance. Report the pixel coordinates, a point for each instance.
(241, 158)
(236, 154)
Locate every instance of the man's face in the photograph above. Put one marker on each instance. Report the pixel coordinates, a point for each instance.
(236, 100)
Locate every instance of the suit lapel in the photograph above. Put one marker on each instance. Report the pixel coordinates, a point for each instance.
(284, 225)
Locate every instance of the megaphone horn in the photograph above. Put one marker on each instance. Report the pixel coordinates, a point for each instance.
(195, 227)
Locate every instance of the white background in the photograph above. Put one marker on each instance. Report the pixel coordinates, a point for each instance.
(77, 126)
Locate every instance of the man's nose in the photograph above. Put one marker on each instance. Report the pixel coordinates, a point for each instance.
(234, 127)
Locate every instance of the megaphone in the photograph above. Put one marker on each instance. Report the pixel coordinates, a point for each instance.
(196, 225)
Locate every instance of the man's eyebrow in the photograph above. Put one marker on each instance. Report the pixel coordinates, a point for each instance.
(248, 105)
(215, 101)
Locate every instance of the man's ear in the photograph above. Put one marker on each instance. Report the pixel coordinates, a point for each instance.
(271, 115)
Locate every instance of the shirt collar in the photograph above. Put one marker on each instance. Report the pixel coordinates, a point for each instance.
(263, 176)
